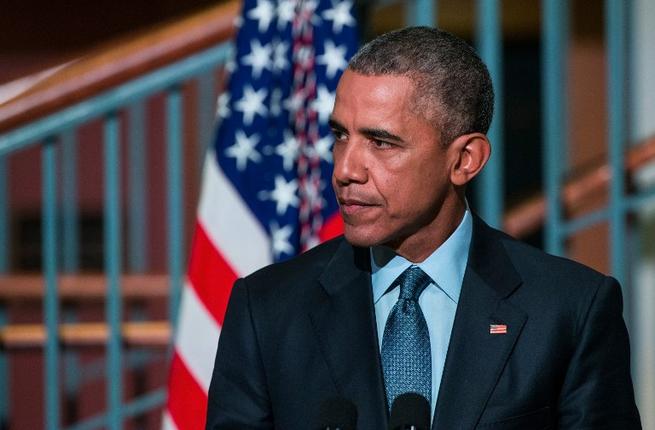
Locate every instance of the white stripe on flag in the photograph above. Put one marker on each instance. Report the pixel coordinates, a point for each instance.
(230, 225)
(167, 422)
(197, 337)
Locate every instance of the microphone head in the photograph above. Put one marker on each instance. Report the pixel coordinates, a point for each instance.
(410, 410)
(337, 413)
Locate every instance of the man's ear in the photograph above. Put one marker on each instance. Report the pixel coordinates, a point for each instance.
(470, 153)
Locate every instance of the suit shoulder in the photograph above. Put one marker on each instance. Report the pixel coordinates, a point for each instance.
(566, 288)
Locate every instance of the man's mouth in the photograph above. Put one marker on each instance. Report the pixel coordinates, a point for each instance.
(354, 206)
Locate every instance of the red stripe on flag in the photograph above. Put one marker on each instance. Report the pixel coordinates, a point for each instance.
(209, 273)
(333, 227)
(187, 401)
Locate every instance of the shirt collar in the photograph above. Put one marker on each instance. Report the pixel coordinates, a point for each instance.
(446, 265)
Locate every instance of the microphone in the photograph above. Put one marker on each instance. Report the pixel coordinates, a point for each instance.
(337, 413)
(410, 411)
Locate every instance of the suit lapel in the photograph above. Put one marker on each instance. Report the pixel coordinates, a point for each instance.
(476, 357)
(344, 321)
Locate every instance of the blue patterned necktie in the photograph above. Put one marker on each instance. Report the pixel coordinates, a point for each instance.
(406, 357)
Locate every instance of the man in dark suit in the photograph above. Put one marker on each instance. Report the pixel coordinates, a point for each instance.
(420, 295)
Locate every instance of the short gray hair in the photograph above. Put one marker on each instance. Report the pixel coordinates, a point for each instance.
(453, 88)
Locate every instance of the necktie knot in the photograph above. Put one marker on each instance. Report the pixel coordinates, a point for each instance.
(412, 283)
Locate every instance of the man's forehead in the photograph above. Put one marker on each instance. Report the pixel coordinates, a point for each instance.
(380, 82)
(376, 96)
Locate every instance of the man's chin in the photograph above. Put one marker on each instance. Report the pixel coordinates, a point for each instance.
(357, 237)
(354, 238)
(365, 238)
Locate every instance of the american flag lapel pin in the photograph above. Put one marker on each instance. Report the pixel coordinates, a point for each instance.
(497, 328)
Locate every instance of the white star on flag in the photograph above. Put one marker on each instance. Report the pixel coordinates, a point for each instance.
(280, 239)
(280, 56)
(244, 149)
(288, 150)
(304, 56)
(313, 193)
(293, 102)
(285, 13)
(308, 7)
(259, 57)
(322, 148)
(251, 103)
(333, 58)
(340, 15)
(263, 13)
(284, 194)
(275, 102)
(323, 103)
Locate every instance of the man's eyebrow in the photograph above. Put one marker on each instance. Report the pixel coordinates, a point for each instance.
(375, 133)
(379, 133)
(336, 125)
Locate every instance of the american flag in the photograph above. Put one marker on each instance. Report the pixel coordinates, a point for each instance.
(266, 193)
(497, 328)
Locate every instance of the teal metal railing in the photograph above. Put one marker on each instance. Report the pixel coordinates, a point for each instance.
(50, 300)
(491, 190)
(55, 135)
(615, 29)
(554, 52)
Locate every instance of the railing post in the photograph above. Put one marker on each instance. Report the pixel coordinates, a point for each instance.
(72, 374)
(175, 209)
(50, 299)
(421, 12)
(555, 135)
(70, 260)
(70, 230)
(112, 257)
(615, 19)
(137, 260)
(206, 114)
(491, 185)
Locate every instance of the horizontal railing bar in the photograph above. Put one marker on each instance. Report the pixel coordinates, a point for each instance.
(528, 216)
(96, 421)
(151, 333)
(635, 201)
(139, 405)
(119, 61)
(630, 204)
(145, 402)
(584, 222)
(82, 287)
(134, 359)
(117, 98)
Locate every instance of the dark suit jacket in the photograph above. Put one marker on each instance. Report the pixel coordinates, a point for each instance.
(299, 332)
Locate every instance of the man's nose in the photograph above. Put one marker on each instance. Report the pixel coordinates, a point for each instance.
(350, 163)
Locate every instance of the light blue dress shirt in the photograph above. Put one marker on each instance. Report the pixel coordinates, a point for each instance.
(446, 266)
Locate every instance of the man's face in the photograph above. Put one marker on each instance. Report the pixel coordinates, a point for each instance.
(391, 175)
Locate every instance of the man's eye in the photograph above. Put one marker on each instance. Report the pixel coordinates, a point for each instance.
(381, 144)
(339, 135)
